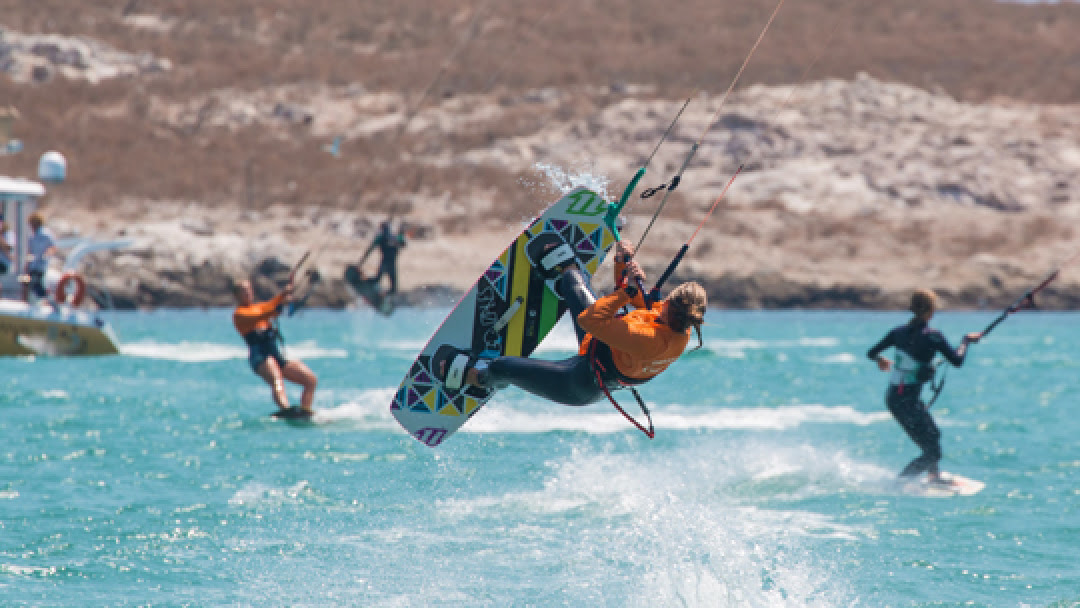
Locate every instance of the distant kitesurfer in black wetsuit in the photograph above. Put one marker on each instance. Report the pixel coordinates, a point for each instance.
(389, 245)
(916, 344)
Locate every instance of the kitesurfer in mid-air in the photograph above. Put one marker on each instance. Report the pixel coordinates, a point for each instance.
(916, 345)
(389, 245)
(256, 322)
(615, 351)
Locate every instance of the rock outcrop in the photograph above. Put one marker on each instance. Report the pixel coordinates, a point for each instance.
(852, 194)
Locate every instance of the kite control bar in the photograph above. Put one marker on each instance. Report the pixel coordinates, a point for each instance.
(1028, 299)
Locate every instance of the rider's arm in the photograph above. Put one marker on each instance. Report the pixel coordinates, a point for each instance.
(371, 248)
(601, 321)
(874, 353)
(246, 318)
(956, 357)
(885, 342)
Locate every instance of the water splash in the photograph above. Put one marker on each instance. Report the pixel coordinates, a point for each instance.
(689, 535)
(530, 415)
(205, 352)
(566, 179)
(256, 494)
(369, 409)
(185, 352)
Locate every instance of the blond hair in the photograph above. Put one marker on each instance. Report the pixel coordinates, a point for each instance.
(686, 308)
(236, 286)
(923, 303)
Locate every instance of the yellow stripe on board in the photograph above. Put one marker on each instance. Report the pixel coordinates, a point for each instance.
(471, 405)
(519, 286)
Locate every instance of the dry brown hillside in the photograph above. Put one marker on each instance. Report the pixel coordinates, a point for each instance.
(972, 49)
(934, 142)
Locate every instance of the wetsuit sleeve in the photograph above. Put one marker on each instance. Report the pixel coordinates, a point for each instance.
(370, 248)
(886, 342)
(600, 321)
(247, 318)
(942, 346)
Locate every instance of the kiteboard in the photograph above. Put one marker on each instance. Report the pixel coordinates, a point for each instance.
(508, 311)
(368, 289)
(957, 485)
(293, 413)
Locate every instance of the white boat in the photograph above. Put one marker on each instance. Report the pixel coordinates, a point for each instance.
(57, 325)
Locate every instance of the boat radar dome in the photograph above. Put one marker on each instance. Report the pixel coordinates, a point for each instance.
(52, 167)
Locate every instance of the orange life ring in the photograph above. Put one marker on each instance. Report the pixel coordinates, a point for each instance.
(80, 288)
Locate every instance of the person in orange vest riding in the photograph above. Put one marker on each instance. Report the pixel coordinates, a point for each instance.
(256, 322)
(615, 350)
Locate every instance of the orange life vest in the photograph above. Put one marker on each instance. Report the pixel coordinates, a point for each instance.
(258, 316)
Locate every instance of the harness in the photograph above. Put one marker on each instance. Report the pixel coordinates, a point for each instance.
(268, 336)
(605, 375)
(935, 387)
(924, 373)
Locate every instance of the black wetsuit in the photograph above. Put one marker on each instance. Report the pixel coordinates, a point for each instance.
(569, 381)
(389, 245)
(263, 344)
(916, 344)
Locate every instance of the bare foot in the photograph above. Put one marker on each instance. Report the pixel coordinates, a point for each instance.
(473, 377)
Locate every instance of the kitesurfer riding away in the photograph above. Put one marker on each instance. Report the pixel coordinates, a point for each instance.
(916, 345)
(256, 323)
(615, 351)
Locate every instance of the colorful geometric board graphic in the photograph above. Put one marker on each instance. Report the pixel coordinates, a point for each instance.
(509, 311)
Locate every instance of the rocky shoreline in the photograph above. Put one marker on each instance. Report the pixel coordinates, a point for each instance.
(170, 264)
(206, 286)
(849, 198)
(849, 194)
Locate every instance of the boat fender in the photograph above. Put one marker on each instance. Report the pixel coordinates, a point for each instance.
(80, 288)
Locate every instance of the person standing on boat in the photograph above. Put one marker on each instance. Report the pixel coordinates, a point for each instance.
(916, 345)
(7, 244)
(257, 323)
(40, 247)
(389, 245)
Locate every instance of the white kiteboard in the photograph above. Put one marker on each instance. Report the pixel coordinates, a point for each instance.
(509, 311)
(957, 485)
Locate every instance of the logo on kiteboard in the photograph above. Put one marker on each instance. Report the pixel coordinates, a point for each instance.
(487, 317)
(431, 436)
(586, 203)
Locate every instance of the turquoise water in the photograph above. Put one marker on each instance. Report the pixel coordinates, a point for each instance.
(158, 478)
